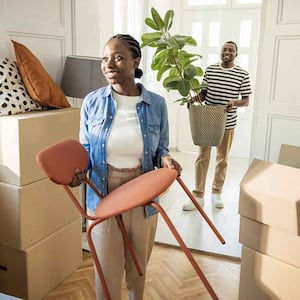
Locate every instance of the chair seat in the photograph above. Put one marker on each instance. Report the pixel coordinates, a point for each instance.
(137, 192)
(59, 162)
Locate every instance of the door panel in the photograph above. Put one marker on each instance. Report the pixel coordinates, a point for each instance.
(277, 103)
(211, 28)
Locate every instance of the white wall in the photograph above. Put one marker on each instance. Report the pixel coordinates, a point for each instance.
(43, 26)
(93, 24)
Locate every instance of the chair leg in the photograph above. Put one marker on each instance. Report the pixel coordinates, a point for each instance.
(96, 259)
(200, 209)
(186, 250)
(128, 244)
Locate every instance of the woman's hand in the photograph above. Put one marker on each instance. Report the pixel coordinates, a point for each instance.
(78, 178)
(169, 162)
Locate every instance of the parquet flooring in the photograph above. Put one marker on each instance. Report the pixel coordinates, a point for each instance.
(169, 274)
(169, 277)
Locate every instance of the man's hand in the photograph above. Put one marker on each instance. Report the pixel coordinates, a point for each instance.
(238, 103)
(230, 105)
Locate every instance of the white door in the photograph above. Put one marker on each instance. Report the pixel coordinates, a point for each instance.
(276, 118)
(211, 28)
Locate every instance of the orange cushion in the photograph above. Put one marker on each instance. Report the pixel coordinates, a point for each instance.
(40, 86)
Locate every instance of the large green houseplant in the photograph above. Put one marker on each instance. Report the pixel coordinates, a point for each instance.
(175, 67)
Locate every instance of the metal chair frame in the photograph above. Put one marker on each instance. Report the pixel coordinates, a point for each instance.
(60, 161)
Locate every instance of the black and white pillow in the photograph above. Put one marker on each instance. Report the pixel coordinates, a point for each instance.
(14, 98)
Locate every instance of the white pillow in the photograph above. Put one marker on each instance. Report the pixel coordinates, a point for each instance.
(14, 98)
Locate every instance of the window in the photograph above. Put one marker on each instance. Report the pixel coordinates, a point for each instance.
(197, 32)
(213, 58)
(243, 61)
(245, 33)
(248, 1)
(206, 2)
(222, 3)
(214, 34)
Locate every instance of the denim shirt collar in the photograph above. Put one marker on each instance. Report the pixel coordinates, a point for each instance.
(144, 94)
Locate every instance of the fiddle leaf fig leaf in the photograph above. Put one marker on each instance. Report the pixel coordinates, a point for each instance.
(190, 41)
(184, 87)
(156, 35)
(171, 82)
(174, 71)
(157, 19)
(173, 63)
(182, 101)
(190, 72)
(199, 71)
(151, 24)
(162, 71)
(160, 59)
(172, 43)
(169, 19)
(195, 84)
(149, 39)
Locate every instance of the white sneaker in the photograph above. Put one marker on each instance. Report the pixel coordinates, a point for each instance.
(217, 200)
(190, 205)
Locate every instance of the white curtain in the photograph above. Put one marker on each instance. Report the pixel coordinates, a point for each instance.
(129, 17)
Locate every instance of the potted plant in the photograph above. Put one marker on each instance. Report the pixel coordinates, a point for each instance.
(175, 67)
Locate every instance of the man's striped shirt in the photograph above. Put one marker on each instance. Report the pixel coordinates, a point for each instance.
(224, 85)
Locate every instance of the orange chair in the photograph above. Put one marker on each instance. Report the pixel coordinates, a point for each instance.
(60, 162)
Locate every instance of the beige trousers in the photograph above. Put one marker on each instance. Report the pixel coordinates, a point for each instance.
(109, 244)
(202, 163)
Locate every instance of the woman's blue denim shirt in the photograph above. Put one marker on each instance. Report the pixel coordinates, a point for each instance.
(96, 116)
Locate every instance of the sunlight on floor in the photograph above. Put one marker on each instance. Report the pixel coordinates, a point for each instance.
(194, 230)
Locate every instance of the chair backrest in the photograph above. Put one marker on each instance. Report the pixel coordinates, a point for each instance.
(60, 161)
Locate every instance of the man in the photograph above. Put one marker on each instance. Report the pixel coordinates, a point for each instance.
(228, 85)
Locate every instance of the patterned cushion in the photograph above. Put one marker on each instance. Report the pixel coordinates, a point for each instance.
(40, 86)
(14, 98)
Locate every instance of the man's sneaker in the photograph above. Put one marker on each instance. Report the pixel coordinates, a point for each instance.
(217, 200)
(190, 205)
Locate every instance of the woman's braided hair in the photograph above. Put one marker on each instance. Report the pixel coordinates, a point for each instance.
(134, 46)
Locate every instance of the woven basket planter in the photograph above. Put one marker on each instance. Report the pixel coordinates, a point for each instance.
(207, 124)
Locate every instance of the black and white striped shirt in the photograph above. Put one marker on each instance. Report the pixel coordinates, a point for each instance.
(224, 85)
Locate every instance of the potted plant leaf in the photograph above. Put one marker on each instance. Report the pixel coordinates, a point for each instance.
(176, 69)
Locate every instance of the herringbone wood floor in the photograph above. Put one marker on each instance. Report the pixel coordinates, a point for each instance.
(169, 277)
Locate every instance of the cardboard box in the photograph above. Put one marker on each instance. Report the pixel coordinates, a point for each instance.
(30, 213)
(289, 156)
(23, 135)
(270, 194)
(33, 273)
(264, 277)
(270, 241)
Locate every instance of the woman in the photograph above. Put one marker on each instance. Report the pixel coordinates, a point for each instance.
(124, 128)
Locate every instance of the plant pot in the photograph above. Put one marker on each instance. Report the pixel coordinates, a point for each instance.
(207, 124)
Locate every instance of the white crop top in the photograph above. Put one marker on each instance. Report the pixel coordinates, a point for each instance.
(125, 145)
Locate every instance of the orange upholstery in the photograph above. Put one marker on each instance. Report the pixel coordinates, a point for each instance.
(39, 85)
(59, 163)
(137, 192)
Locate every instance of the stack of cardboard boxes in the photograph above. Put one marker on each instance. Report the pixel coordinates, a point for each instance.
(270, 231)
(40, 229)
